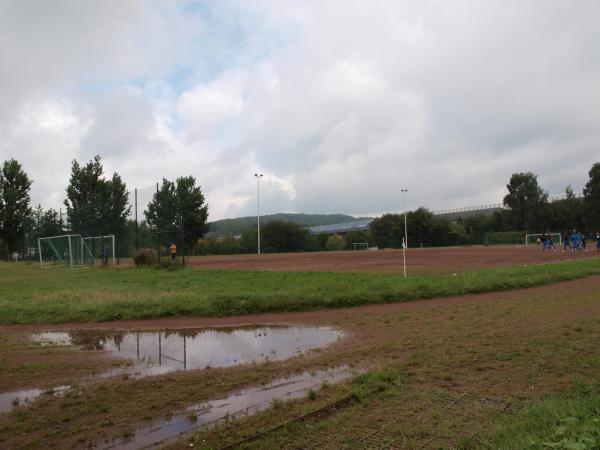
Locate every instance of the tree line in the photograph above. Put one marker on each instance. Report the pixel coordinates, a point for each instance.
(98, 205)
(280, 236)
(528, 209)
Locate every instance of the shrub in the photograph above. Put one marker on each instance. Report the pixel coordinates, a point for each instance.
(144, 257)
(334, 242)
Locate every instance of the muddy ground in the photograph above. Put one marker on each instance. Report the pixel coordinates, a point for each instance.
(419, 260)
(464, 360)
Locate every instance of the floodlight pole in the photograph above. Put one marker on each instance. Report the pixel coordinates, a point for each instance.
(405, 240)
(258, 177)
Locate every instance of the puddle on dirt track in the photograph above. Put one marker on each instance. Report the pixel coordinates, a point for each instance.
(158, 352)
(162, 351)
(9, 400)
(244, 403)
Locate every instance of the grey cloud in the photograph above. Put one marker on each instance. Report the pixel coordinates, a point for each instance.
(489, 88)
(445, 98)
(123, 122)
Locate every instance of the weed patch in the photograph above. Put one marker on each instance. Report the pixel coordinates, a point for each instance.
(567, 421)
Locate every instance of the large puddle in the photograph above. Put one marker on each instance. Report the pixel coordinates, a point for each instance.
(243, 403)
(158, 352)
(163, 351)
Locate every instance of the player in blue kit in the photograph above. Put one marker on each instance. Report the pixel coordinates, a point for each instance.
(566, 241)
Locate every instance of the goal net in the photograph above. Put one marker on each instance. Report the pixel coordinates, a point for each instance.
(102, 249)
(536, 238)
(360, 246)
(67, 250)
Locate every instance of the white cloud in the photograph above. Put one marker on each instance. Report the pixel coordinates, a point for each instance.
(206, 106)
(339, 104)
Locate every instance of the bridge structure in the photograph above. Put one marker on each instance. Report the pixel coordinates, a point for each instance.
(341, 228)
(488, 210)
(470, 211)
(449, 214)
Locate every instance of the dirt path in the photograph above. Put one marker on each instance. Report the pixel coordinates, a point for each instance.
(314, 317)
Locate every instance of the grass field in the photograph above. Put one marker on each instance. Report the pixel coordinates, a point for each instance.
(513, 369)
(29, 294)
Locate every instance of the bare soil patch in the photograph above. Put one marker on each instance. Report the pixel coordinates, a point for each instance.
(419, 260)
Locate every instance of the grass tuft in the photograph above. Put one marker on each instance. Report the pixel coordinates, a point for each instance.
(566, 421)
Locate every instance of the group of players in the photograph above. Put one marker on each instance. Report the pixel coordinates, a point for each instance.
(574, 241)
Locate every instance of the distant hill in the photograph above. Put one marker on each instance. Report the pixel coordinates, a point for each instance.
(239, 225)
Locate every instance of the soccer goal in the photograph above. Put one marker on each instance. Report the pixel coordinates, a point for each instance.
(536, 238)
(360, 246)
(65, 250)
(102, 248)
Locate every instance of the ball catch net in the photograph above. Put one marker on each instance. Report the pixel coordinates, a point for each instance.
(102, 249)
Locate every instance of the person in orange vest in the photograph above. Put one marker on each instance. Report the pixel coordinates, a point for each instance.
(173, 251)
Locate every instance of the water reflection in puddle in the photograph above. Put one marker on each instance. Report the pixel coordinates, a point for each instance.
(247, 402)
(158, 352)
(9, 400)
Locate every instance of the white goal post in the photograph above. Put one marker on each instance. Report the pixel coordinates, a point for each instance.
(64, 250)
(360, 246)
(533, 238)
(98, 245)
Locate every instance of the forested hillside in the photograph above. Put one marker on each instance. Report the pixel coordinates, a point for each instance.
(239, 225)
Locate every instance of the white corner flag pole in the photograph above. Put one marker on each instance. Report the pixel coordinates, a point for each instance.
(404, 254)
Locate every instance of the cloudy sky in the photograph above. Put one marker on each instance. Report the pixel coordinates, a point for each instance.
(339, 103)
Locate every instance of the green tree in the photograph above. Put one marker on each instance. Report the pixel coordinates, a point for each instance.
(192, 212)
(388, 230)
(222, 245)
(161, 214)
(14, 203)
(177, 212)
(591, 197)
(567, 213)
(527, 202)
(358, 236)
(424, 228)
(50, 223)
(85, 193)
(476, 228)
(334, 243)
(96, 205)
(116, 201)
(249, 241)
(320, 240)
(421, 226)
(285, 236)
